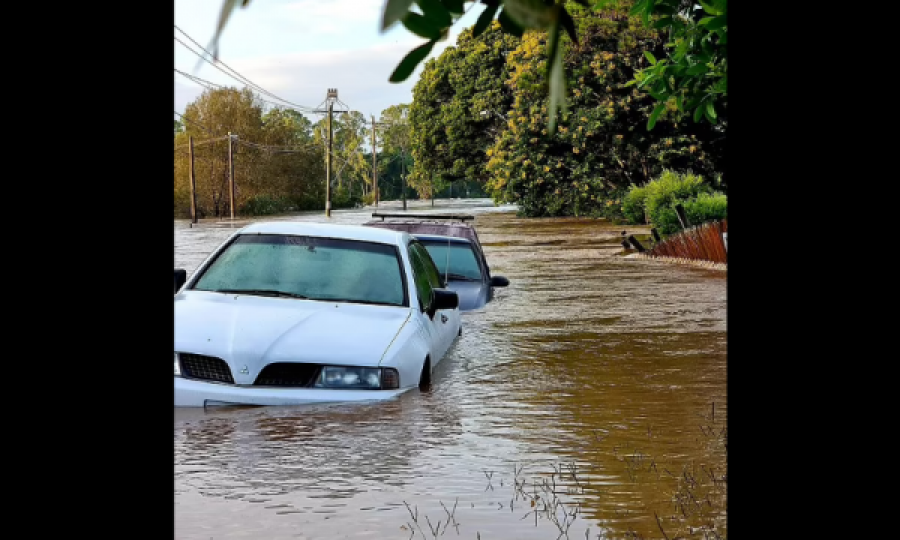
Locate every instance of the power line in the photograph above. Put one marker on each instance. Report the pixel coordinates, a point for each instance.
(211, 85)
(234, 74)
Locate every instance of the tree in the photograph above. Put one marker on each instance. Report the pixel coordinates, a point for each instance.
(603, 144)
(395, 137)
(349, 133)
(693, 77)
(458, 107)
(179, 127)
(276, 165)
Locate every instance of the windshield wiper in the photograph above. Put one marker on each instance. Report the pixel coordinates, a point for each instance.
(262, 292)
(459, 277)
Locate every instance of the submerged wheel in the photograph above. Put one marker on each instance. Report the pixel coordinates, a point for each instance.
(425, 377)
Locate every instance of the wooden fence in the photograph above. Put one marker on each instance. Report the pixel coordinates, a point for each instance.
(701, 243)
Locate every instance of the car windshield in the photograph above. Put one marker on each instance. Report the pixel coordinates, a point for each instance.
(308, 267)
(462, 265)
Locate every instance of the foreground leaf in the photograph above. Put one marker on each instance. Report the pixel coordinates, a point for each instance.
(410, 61)
(557, 80)
(394, 11)
(227, 8)
(509, 25)
(484, 20)
(421, 26)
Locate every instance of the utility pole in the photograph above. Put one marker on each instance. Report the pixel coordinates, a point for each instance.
(403, 173)
(328, 162)
(330, 97)
(193, 182)
(374, 163)
(375, 159)
(231, 170)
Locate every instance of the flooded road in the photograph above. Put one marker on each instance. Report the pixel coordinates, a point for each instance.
(589, 397)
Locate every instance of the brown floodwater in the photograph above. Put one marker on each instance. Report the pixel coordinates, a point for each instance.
(589, 396)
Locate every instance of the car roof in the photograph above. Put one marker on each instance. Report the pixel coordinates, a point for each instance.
(451, 239)
(328, 230)
(457, 230)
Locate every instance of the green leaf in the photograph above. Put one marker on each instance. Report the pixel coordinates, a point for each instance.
(566, 21)
(557, 81)
(508, 25)
(227, 8)
(410, 61)
(663, 22)
(421, 26)
(709, 8)
(434, 10)
(552, 47)
(717, 23)
(394, 11)
(454, 6)
(484, 20)
(655, 115)
(632, 82)
(648, 11)
(679, 102)
(698, 112)
(698, 69)
(637, 7)
(711, 111)
(650, 57)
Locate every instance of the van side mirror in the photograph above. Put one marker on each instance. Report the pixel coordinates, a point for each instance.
(180, 278)
(443, 299)
(499, 281)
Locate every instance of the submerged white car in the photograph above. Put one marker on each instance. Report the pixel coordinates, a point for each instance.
(287, 313)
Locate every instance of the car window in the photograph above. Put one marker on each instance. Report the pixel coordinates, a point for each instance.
(459, 260)
(317, 268)
(424, 283)
(431, 270)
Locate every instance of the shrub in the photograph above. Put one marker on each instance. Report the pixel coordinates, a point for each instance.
(707, 207)
(368, 199)
(633, 204)
(263, 205)
(657, 201)
(670, 189)
(341, 198)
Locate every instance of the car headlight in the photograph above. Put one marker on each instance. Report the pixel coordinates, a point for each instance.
(360, 378)
(177, 367)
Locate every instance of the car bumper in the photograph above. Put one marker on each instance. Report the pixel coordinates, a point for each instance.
(190, 393)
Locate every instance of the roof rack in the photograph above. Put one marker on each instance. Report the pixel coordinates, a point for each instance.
(460, 217)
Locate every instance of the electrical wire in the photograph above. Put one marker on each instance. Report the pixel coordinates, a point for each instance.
(234, 74)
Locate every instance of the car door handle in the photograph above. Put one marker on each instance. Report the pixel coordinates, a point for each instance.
(443, 318)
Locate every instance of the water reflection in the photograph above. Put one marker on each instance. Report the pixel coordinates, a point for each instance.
(609, 363)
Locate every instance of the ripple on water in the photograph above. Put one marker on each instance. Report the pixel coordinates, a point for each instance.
(611, 363)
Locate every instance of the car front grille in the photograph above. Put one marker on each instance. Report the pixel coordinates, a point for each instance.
(205, 368)
(288, 374)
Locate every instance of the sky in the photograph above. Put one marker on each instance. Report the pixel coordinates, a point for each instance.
(297, 49)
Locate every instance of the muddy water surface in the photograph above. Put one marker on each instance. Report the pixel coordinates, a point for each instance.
(593, 387)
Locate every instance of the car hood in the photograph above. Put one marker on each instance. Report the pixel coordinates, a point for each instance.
(472, 294)
(252, 331)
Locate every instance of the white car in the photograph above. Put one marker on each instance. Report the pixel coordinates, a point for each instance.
(287, 313)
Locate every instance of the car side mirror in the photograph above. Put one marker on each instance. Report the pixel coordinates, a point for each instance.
(499, 281)
(443, 299)
(180, 278)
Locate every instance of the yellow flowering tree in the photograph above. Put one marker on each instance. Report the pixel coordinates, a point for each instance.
(602, 144)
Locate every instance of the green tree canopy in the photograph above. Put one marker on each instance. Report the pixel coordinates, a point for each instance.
(603, 143)
(459, 104)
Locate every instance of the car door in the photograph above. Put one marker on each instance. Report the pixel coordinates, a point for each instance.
(424, 290)
(446, 321)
